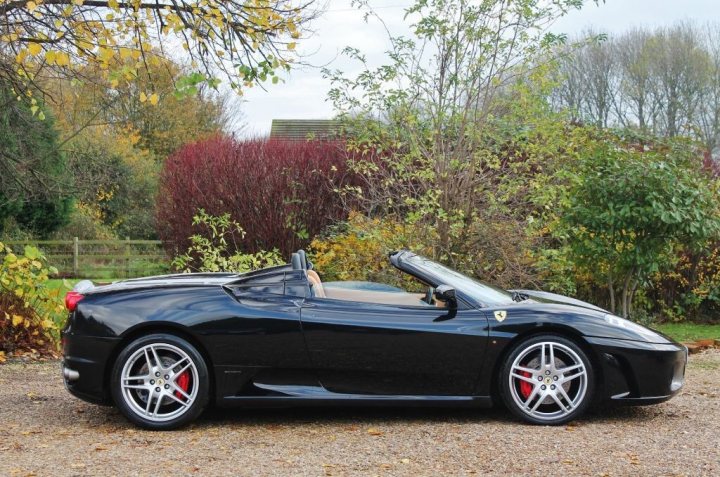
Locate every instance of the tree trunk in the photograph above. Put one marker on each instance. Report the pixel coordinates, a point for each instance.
(626, 293)
(611, 288)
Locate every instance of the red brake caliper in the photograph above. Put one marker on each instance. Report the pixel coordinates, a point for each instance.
(183, 382)
(525, 387)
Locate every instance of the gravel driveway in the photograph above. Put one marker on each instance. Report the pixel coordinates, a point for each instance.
(44, 431)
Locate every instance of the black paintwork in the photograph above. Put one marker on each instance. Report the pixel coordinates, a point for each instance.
(269, 341)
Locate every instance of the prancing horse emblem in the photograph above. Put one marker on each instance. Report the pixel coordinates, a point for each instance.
(500, 315)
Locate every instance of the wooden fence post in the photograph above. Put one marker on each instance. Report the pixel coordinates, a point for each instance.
(127, 257)
(76, 253)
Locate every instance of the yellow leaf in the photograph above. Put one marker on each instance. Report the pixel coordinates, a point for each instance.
(154, 98)
(50, 56)
(34, 48)
(20, 57)
(2, 357)
(31, 6)
(17, 319)
(291, 46)
(47, 324)
(143, 97)
(62, 58)
(105, 54)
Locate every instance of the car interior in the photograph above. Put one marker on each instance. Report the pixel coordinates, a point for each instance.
(364, 292)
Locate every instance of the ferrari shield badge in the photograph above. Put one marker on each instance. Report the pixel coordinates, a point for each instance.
(500, 315)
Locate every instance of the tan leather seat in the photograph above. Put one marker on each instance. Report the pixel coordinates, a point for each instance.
(316, 284)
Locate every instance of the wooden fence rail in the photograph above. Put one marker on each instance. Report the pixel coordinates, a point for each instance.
(102, 259)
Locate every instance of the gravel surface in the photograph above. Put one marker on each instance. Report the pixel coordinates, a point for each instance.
(45, 431)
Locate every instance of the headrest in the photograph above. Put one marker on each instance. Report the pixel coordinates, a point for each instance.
(303, 259)
(296, 262)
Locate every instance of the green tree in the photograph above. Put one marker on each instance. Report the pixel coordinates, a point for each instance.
(631, 205)
(33, 177)
(424, 125)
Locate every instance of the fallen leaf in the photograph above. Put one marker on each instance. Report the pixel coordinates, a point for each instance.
(375, 432)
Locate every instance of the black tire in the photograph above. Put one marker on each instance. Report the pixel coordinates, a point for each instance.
(539, 386)
(166, 394)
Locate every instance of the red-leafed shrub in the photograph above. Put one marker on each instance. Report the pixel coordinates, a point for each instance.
(281, 192)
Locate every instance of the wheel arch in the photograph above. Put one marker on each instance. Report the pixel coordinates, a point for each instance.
(559, 330)
(166, 328)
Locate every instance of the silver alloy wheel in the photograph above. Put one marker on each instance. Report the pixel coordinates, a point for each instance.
(149, 382)
(557, 377)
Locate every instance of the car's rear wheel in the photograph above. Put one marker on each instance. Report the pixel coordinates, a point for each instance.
(160, 382)
(547, 379)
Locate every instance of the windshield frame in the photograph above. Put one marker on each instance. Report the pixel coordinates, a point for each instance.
(479, 293)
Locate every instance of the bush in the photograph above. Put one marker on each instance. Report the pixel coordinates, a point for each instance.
(30, 311)
(281, 191)
(358, 249)
(210, 253)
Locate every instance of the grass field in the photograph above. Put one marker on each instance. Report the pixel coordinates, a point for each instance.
(689, 331)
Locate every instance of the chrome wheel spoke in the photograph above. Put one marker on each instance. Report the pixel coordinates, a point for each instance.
(524, 369)
(567, 369)
(178, 400)
(547, 366)
(523, 378)
(537, 404)
(157, 405)
(149, 403)
(567, 379)
(534, 393)
(163, 400)
(559, 403)
(158, 362)
(136, 378)
(565, 396)
(182, 392)
(177, 375)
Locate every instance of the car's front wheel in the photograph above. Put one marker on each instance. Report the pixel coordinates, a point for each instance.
(160, 382)
(547, 379)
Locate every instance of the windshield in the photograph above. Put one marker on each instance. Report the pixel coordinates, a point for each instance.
(487, 294)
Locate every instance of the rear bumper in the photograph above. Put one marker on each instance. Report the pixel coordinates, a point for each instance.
(84, 366)
(639, 373)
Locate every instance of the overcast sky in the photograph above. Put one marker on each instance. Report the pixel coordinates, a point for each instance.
(303, 94)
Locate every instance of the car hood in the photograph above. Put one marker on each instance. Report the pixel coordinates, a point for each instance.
(547, 297)
(590, 320)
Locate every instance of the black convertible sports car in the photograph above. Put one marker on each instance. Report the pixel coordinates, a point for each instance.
(163, 348)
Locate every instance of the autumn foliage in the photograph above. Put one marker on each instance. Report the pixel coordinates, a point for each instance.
(31, 312)
(280, 192)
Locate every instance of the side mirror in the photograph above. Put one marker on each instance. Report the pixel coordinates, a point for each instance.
(446, 293)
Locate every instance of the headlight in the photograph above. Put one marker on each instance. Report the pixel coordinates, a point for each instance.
(646, 333)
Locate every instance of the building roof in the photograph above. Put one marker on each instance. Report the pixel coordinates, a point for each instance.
(304, 129)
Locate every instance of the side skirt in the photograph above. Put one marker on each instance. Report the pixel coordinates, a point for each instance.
(291, 396)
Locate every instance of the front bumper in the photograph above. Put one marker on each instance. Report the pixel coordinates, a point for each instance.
(640, 373)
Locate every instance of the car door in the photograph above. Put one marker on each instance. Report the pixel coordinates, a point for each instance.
(260, 344)
(367, 348)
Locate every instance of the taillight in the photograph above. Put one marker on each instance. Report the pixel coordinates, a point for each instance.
(72, 299)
